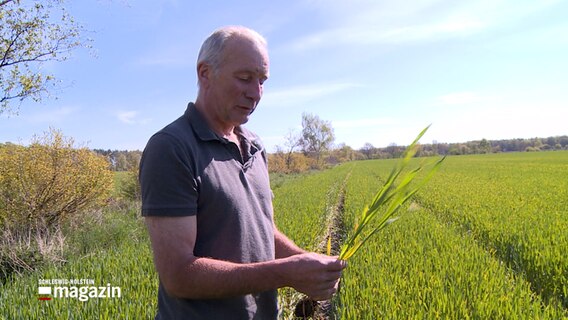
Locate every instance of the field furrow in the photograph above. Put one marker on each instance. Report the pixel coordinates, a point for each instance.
(421, 267)
(516, 206)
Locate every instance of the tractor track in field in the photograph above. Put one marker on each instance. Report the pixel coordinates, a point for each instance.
(336, 231)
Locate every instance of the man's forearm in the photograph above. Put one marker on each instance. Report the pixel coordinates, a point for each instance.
(205, 278)
(284, 247)
(210, 278)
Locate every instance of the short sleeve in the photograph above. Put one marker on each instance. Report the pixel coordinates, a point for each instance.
(167, 181)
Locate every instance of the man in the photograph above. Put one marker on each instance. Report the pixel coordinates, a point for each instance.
(207, 201)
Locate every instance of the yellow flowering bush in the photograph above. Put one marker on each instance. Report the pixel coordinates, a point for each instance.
(49, 180)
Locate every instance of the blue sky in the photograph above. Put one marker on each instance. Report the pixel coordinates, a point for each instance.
(380, 71)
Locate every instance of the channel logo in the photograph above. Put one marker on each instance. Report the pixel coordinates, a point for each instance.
(82, 290)
(44, 293)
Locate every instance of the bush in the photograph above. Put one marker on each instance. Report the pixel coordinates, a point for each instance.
(129, 187)
(42, 184)
(289, 163)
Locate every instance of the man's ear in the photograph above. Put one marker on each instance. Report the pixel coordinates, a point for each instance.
(204, 72)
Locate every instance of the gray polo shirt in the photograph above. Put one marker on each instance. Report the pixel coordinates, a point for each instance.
(187, 169)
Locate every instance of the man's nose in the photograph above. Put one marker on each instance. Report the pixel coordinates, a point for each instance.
(254, 91)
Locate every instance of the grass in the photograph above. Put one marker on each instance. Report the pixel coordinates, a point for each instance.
(107, 246)
(112, 248)
(484, 239)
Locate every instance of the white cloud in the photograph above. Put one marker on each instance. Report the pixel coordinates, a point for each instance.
(380, 22)
(301, 94)
(50, 116)
(518, 120)
(131, 117)
(360, 123)
(458, 98)
(168, 57)
(363, 35)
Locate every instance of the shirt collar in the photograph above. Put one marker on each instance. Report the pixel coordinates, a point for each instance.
(199, 124)
(205, 133)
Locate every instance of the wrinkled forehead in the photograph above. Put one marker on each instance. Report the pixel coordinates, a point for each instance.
(246, 53)
(245, 42)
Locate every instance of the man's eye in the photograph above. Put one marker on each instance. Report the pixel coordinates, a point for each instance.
(245, 78)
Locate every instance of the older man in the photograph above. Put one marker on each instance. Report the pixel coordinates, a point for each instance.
(207, 201)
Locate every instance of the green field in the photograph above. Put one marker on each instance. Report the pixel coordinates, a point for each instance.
(485, 239)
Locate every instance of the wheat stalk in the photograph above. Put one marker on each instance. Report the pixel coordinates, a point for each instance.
(396, 191)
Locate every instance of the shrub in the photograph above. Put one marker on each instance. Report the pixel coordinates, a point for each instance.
(129, 186)
(41, 186)
(289, 163)
(49, 180)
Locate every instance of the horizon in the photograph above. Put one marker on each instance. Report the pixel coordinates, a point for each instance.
(335, 146)
(378, 71)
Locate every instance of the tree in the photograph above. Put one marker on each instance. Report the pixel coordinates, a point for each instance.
(317, 136)
(32, 33)
(121, 163)
(484, 146)
(292, 140)
(367, 150)
(344, 153)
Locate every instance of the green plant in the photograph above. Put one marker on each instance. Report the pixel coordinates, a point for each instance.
(399, 187)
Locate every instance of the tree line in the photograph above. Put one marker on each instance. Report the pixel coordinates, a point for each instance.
(471, 147)
(314, 148)
(121, 160)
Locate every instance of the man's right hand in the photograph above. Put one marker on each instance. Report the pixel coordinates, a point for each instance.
(314, 274)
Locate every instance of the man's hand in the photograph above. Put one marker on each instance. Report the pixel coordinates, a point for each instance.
(314, 274)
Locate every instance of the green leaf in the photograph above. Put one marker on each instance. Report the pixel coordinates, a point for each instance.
(400, 186)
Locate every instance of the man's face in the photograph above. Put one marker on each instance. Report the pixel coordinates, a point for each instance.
(235, 88)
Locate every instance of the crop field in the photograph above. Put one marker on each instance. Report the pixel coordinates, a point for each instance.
(486, 238)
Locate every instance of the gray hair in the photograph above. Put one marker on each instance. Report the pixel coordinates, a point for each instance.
(211, 51)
